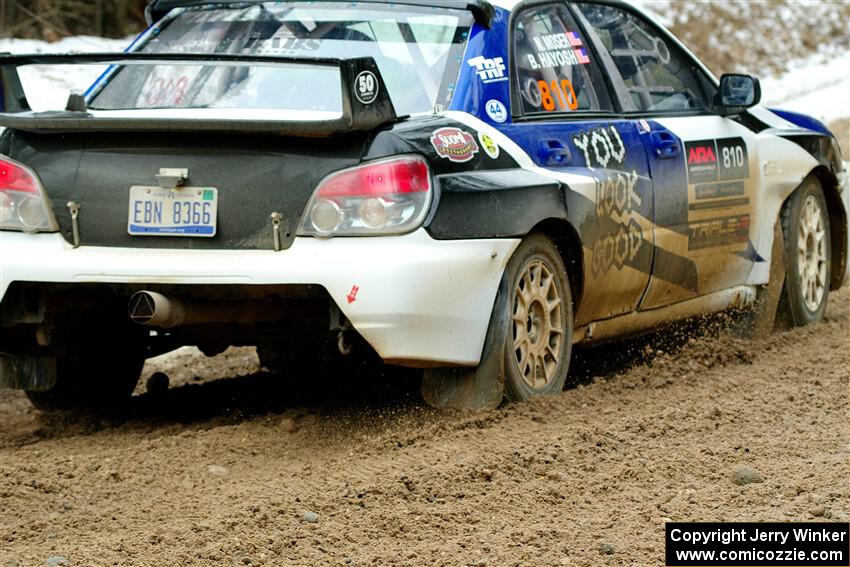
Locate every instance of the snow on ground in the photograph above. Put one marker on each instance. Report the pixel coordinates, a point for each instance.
(813, 86)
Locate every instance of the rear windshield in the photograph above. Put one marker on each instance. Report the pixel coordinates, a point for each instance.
(418, 51)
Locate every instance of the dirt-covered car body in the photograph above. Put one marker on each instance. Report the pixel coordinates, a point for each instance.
(585, 122)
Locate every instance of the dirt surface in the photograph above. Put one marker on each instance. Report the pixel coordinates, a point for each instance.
(239, 472)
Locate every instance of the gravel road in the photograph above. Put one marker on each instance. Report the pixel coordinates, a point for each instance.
(237, 471)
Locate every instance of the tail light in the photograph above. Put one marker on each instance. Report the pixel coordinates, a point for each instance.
(23, 203)
(384, 197)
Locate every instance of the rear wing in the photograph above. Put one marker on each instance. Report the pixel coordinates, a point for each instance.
(366, 103)
(482, 10)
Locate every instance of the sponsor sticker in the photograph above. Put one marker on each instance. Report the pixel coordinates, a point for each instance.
(720, 190)
(491, 148)
(710, 161)
(489, 70)
(716, 233)
(366, 87)
(702, 161)
(496, 111)
(454, 144)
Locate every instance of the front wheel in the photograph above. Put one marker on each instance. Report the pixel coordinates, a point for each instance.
(805, 227)
(538, 344)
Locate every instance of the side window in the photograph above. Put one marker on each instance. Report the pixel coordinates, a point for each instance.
(554, 70)
(658, 75)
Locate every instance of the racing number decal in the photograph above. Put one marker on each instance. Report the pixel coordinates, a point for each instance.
(710, 161)
(565, 93)
(734, 160)
(366, 87)
(167, 91)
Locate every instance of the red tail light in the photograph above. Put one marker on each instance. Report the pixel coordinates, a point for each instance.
(23, 204)
(391, 196)
(14, 177)
(400, 176)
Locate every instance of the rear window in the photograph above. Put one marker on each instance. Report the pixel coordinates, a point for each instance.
(418, 51)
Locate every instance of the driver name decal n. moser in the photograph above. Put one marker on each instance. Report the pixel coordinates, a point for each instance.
(454, 144)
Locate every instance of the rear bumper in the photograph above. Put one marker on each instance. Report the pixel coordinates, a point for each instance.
(414, 299)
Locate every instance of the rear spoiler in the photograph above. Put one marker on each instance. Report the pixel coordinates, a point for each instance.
(482, 10)
(362, 109)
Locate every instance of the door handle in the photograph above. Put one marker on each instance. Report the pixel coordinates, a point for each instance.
(666, 145)
(554, 153)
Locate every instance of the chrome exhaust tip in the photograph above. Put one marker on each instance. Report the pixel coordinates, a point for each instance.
(153, 309)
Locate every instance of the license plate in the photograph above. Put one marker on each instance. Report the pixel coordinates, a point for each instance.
(187, 211)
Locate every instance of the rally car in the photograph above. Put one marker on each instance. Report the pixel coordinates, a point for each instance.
(465, 187)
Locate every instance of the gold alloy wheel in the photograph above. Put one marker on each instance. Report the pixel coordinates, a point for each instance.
(811, 250)
(538, 325)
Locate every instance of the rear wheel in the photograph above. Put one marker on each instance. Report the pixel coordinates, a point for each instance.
(100, 377)
(538, 344)
(805, 226)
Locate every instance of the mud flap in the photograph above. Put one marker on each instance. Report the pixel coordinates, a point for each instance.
(27, 373)
(764, 314)
(481, 388)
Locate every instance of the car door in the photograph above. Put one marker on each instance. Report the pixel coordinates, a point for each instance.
(565, 119)
(703, 166)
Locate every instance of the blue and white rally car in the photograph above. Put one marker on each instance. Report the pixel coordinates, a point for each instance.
(466, 187)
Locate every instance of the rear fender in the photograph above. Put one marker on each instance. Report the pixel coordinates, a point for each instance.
(494, 204)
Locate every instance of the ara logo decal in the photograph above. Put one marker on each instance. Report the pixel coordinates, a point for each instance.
(702, 161)
(701, 155)
(489, 70)
(454, 145)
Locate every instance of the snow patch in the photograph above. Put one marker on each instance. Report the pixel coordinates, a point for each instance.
(812, 86)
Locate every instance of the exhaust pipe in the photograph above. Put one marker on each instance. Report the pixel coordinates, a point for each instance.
(156, 310)
(161, 311)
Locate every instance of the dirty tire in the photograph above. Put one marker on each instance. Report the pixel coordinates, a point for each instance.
(101, 384)
(805, 227)
(538, 344)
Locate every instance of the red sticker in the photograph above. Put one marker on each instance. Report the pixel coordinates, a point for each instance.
(352, 297)
(454, 144)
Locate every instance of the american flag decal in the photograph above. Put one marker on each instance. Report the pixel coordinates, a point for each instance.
(582, 57)
(575, 40)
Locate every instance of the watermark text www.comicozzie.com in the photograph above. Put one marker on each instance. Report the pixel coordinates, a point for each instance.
(757, 544)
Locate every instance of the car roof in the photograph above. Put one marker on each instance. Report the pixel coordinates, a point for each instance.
(482, 10)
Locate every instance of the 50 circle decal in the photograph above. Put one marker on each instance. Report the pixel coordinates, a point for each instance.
(366, 87)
